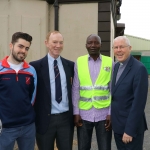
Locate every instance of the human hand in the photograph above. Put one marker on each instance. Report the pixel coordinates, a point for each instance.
(127, 138)
(77, 120)
(108, 123)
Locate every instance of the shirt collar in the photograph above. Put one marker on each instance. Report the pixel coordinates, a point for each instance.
(51, 59)
(99, 58)
(125, 62)
(5, 63)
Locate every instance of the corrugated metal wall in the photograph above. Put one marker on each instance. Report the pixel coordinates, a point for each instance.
(146, 61)
(139, 44)
(141, 50)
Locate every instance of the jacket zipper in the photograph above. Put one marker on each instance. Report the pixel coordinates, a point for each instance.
(17, 76)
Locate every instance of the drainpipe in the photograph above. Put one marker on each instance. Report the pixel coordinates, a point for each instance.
(56, 7)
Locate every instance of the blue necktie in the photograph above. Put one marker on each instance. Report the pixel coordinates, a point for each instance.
(58, 90)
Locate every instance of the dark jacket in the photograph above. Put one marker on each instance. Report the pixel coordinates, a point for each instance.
(43, 98)
(129, 97)
(17, 95)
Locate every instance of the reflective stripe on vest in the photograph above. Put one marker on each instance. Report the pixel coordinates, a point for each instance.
(97, 95)
(94, 98)
(95, 87)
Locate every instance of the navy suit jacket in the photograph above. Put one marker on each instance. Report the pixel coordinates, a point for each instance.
(43, 97)
(129, 97)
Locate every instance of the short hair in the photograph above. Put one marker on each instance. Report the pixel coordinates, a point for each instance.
(95, 36)
(122, 38)
(21, 35)
(51, 32)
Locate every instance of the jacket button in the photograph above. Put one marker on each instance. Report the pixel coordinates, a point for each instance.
(48, 114)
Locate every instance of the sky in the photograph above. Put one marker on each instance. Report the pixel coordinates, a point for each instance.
(136, 16)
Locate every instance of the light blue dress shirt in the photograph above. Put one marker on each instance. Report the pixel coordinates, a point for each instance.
(63, 106)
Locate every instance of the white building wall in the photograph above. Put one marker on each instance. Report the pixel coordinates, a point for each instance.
(36, 17)
(76, 24)
(30, 16)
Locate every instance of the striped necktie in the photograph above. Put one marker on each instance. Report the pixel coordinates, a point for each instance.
(58, 90)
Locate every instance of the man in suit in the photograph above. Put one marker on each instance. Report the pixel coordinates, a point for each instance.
(54, 116)
(129, 95)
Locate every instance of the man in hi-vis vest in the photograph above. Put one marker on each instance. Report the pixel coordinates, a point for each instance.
(91, 96)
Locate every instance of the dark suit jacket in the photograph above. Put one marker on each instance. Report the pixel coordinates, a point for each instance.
(43, 97)
(129, 97)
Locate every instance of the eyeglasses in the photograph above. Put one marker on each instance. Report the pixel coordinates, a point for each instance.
(120, 47)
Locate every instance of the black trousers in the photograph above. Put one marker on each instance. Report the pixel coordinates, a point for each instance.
(136, 144)
(61, 130)
(84, 134)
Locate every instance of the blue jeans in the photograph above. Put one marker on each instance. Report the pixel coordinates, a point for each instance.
(84, 134)
(25, 137)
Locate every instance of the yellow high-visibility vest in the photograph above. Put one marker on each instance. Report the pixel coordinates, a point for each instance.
(97, 95)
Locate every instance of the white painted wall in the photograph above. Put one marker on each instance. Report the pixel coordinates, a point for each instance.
(76, 24)
(30, 16)
(36, 17)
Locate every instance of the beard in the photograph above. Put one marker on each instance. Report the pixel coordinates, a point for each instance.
(19, 57)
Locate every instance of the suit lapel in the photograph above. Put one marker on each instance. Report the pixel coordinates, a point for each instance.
(66, 67)
(68, 75)
(114, 76)
(124, 73)
(45, 73)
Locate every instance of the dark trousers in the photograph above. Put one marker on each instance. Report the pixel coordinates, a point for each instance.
(61, 130)
(84, 134)
(136, 144)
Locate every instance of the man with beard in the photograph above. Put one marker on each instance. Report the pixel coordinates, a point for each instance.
(91, 96)
(17, 94)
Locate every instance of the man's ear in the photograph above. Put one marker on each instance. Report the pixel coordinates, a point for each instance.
(10, 46)
(85, 46)
(130, 48)
(46, 43)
